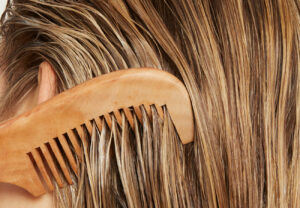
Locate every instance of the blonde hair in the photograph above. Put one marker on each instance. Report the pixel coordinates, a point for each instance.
(239, 61)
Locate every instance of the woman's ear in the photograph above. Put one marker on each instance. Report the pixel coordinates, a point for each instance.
(46, 82)
(13, 196)
(46, 89)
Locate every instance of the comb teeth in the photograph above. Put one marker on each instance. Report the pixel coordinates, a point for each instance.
(55, 158)
(49, 162)
(50, 146)
(41, 168)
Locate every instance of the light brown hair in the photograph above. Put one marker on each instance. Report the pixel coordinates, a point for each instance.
(239, 61)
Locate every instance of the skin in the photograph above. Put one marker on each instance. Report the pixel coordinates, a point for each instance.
(10, 195)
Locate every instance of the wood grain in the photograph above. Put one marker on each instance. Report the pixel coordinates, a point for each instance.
(97, 97)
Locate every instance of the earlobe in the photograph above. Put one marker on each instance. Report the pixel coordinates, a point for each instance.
(46, 82)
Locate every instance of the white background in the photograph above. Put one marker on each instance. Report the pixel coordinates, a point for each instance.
(2, 6)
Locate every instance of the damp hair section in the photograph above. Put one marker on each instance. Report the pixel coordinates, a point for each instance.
(239, 61)
(121, 166)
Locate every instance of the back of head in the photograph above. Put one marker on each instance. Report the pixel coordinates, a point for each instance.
(239, 61)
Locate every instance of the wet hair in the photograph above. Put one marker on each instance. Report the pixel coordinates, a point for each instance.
(239, 61)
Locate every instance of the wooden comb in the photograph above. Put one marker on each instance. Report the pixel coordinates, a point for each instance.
(38, 139)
